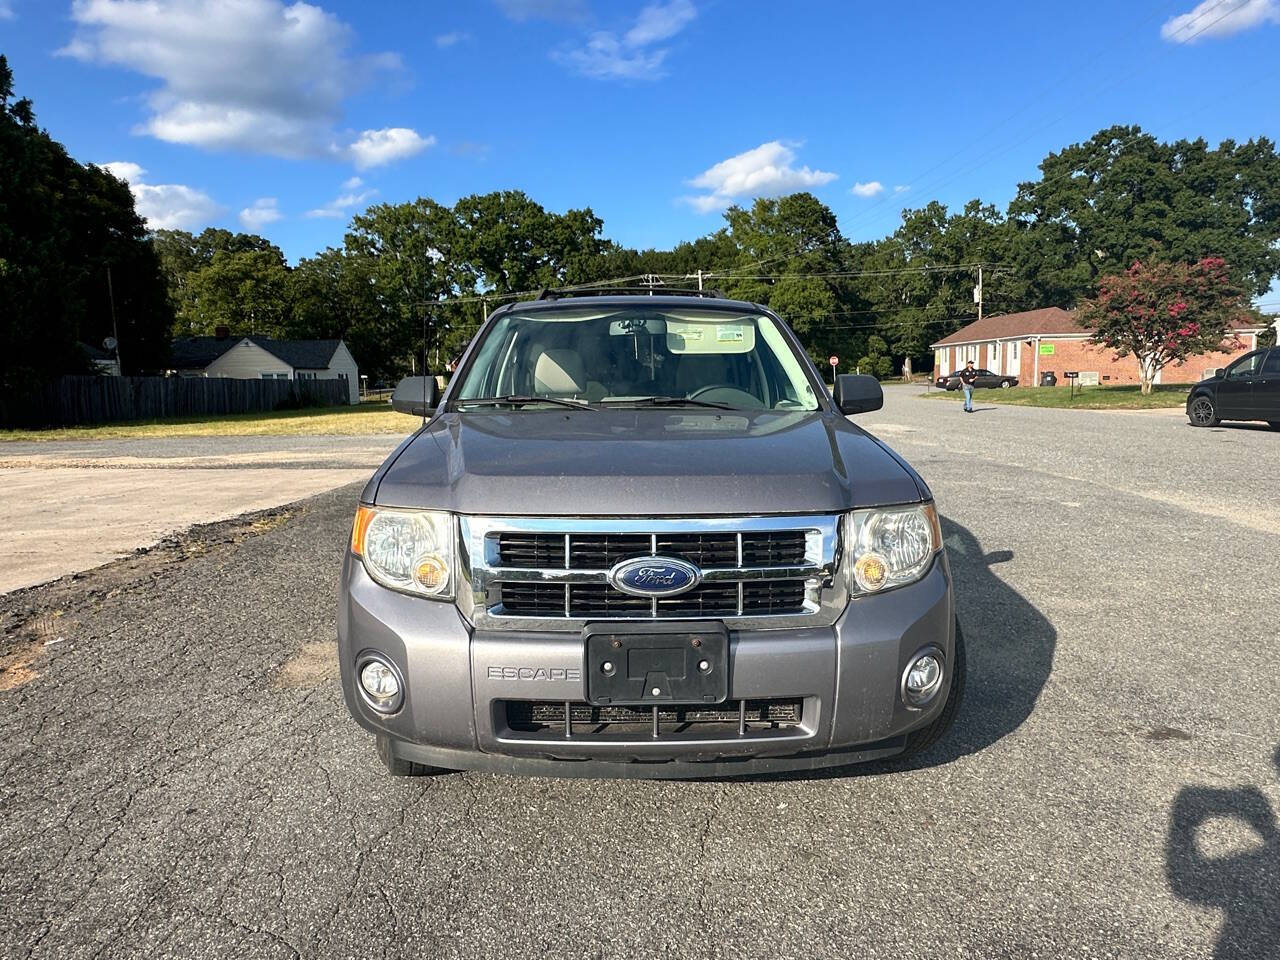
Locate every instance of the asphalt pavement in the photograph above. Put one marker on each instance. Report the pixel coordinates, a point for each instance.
(179, 778)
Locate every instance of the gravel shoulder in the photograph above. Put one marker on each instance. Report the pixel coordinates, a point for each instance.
(69, 506)
(180, 779)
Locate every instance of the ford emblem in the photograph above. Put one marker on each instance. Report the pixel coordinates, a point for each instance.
(654, 576)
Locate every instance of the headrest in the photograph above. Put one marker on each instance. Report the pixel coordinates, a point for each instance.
(559, 371)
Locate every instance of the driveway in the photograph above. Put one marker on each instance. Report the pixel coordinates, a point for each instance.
(179, 777)
(71, 505)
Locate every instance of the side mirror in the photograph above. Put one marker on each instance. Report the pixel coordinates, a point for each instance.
(416, 396)
(1219, 371)
(858, 393)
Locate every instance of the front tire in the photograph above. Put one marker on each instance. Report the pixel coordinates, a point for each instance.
(400, 767)
(921, 740)
(1202, 413)
(1006, 384)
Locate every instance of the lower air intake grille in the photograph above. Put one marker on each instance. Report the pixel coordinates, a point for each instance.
(534, 716)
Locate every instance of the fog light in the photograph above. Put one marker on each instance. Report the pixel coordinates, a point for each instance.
(380, 685)
(922, 679)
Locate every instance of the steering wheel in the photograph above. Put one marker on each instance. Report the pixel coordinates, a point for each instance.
(726, 393)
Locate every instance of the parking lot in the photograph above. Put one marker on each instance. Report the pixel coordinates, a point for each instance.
(179, 777)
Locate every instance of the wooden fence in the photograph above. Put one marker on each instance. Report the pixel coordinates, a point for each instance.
(72, 401)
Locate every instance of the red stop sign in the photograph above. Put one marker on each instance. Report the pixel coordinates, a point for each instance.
(833, 360)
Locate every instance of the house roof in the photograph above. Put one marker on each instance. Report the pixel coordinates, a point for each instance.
(191, 353)
(300, 354)
(1047, 321)
(1003, 326)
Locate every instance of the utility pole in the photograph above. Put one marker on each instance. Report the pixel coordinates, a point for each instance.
(651, 280)
(115, 330)
(977, 292)
(699, 278)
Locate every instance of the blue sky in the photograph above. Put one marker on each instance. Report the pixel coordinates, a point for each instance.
(287, 118)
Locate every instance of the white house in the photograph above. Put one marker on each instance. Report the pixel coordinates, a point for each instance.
(254, 357)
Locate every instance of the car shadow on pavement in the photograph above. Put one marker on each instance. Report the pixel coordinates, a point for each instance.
(1009, 648)
(1243, 883)
(1226, 427)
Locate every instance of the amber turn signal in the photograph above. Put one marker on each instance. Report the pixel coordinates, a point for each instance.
(364, 516)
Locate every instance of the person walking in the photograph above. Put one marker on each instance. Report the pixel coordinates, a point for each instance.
(967, 377)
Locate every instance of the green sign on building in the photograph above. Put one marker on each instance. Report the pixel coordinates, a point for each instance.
(1046, 349)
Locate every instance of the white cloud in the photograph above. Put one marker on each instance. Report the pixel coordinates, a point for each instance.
(343, 203)
(900, 188)
(765, 171)
(1220, 18)
(632, 56)
(123, 170)
(253, 75)
(450, 39)
(522, 10)
(165, 206)
(868, 189)
(659, 22)
(6, 10)
(263, 211)
(373, 148)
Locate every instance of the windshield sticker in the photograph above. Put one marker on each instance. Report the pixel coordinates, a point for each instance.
(691, 336)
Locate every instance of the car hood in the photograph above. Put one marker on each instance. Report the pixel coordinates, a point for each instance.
(650, 463)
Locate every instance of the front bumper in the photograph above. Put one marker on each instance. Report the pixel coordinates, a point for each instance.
(458, 683)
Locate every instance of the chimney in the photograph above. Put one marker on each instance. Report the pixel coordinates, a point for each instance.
(222, 332)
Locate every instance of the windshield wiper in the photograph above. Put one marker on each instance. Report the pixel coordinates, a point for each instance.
(670, 402)
(520, 399)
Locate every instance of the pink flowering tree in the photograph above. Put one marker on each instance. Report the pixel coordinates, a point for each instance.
(1162, 313)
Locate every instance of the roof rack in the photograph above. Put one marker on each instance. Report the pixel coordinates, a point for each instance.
(548, 293)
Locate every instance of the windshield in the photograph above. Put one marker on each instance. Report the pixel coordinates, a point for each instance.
(639, 355)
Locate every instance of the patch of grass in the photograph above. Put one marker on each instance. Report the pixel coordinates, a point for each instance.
(1167, 396)
(341, 421)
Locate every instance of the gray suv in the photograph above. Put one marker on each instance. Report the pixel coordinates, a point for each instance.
(637, 537)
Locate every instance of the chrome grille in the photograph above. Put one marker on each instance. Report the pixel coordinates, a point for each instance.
(552, 574)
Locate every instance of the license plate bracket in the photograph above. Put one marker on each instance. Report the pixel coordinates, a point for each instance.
(625, 663)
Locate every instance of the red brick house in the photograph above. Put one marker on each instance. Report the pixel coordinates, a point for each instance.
(1028, 344)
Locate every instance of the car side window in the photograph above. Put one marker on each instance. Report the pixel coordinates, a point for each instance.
(1272, 367)
(1245, 367)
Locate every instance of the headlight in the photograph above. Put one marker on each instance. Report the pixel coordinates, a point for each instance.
(409, 550)
(890, 546)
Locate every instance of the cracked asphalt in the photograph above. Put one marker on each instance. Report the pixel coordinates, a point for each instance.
(178, 777)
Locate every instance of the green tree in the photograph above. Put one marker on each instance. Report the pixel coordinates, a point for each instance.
(404, 251)
(1165, 312)
(913, 282)
(63, 225)
(506, 242)
(219, 278)
(333, 296)
(246, 291)
(789, 254)
(877, 361)
(1122, 196)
